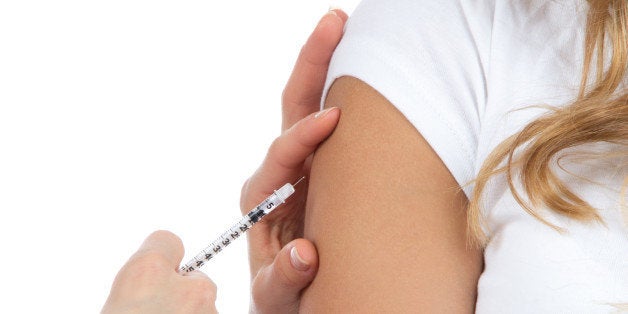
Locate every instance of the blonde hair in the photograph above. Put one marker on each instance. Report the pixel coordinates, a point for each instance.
(595, 116)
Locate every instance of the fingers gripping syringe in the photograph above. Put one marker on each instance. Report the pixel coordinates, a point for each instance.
(269, 204)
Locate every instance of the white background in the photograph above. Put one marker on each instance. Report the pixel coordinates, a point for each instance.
(121, 117)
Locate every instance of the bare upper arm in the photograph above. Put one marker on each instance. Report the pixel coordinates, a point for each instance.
(386, 215)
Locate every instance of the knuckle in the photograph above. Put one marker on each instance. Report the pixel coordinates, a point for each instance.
(274, 148)
(275, 155)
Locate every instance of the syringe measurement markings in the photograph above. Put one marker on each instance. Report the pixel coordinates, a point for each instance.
(234, 232)
(218, 244)
(271, 202)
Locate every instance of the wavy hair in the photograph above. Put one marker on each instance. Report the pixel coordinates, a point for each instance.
(597, 115)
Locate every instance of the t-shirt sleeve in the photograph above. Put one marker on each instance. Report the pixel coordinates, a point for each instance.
(428, 58)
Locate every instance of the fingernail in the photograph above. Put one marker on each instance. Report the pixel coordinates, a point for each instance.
(297, 261)
(322, 113)
(331, 10)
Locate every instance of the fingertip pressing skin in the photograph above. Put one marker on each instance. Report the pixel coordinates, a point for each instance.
(284, 273)
(277, 287)
(318, 126)
(292, 148)
(297, 261)
(306, 252)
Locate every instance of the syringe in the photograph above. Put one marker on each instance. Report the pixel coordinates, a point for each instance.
(269, 204)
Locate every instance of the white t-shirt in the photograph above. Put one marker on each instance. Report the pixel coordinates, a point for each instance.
(455, 68)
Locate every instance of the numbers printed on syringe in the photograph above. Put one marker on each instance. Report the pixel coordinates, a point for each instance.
(228, 237)
(233, 233)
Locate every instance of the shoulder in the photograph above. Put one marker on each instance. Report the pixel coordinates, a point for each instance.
(445, 40)
(428, 59)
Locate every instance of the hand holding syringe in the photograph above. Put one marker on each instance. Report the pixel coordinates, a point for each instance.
(149, 280)
(281, 264)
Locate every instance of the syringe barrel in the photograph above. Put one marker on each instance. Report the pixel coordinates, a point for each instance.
(265, 207)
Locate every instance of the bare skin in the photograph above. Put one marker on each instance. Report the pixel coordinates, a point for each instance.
(387, 217)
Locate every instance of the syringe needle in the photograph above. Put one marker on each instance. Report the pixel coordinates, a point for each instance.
(299, 181)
